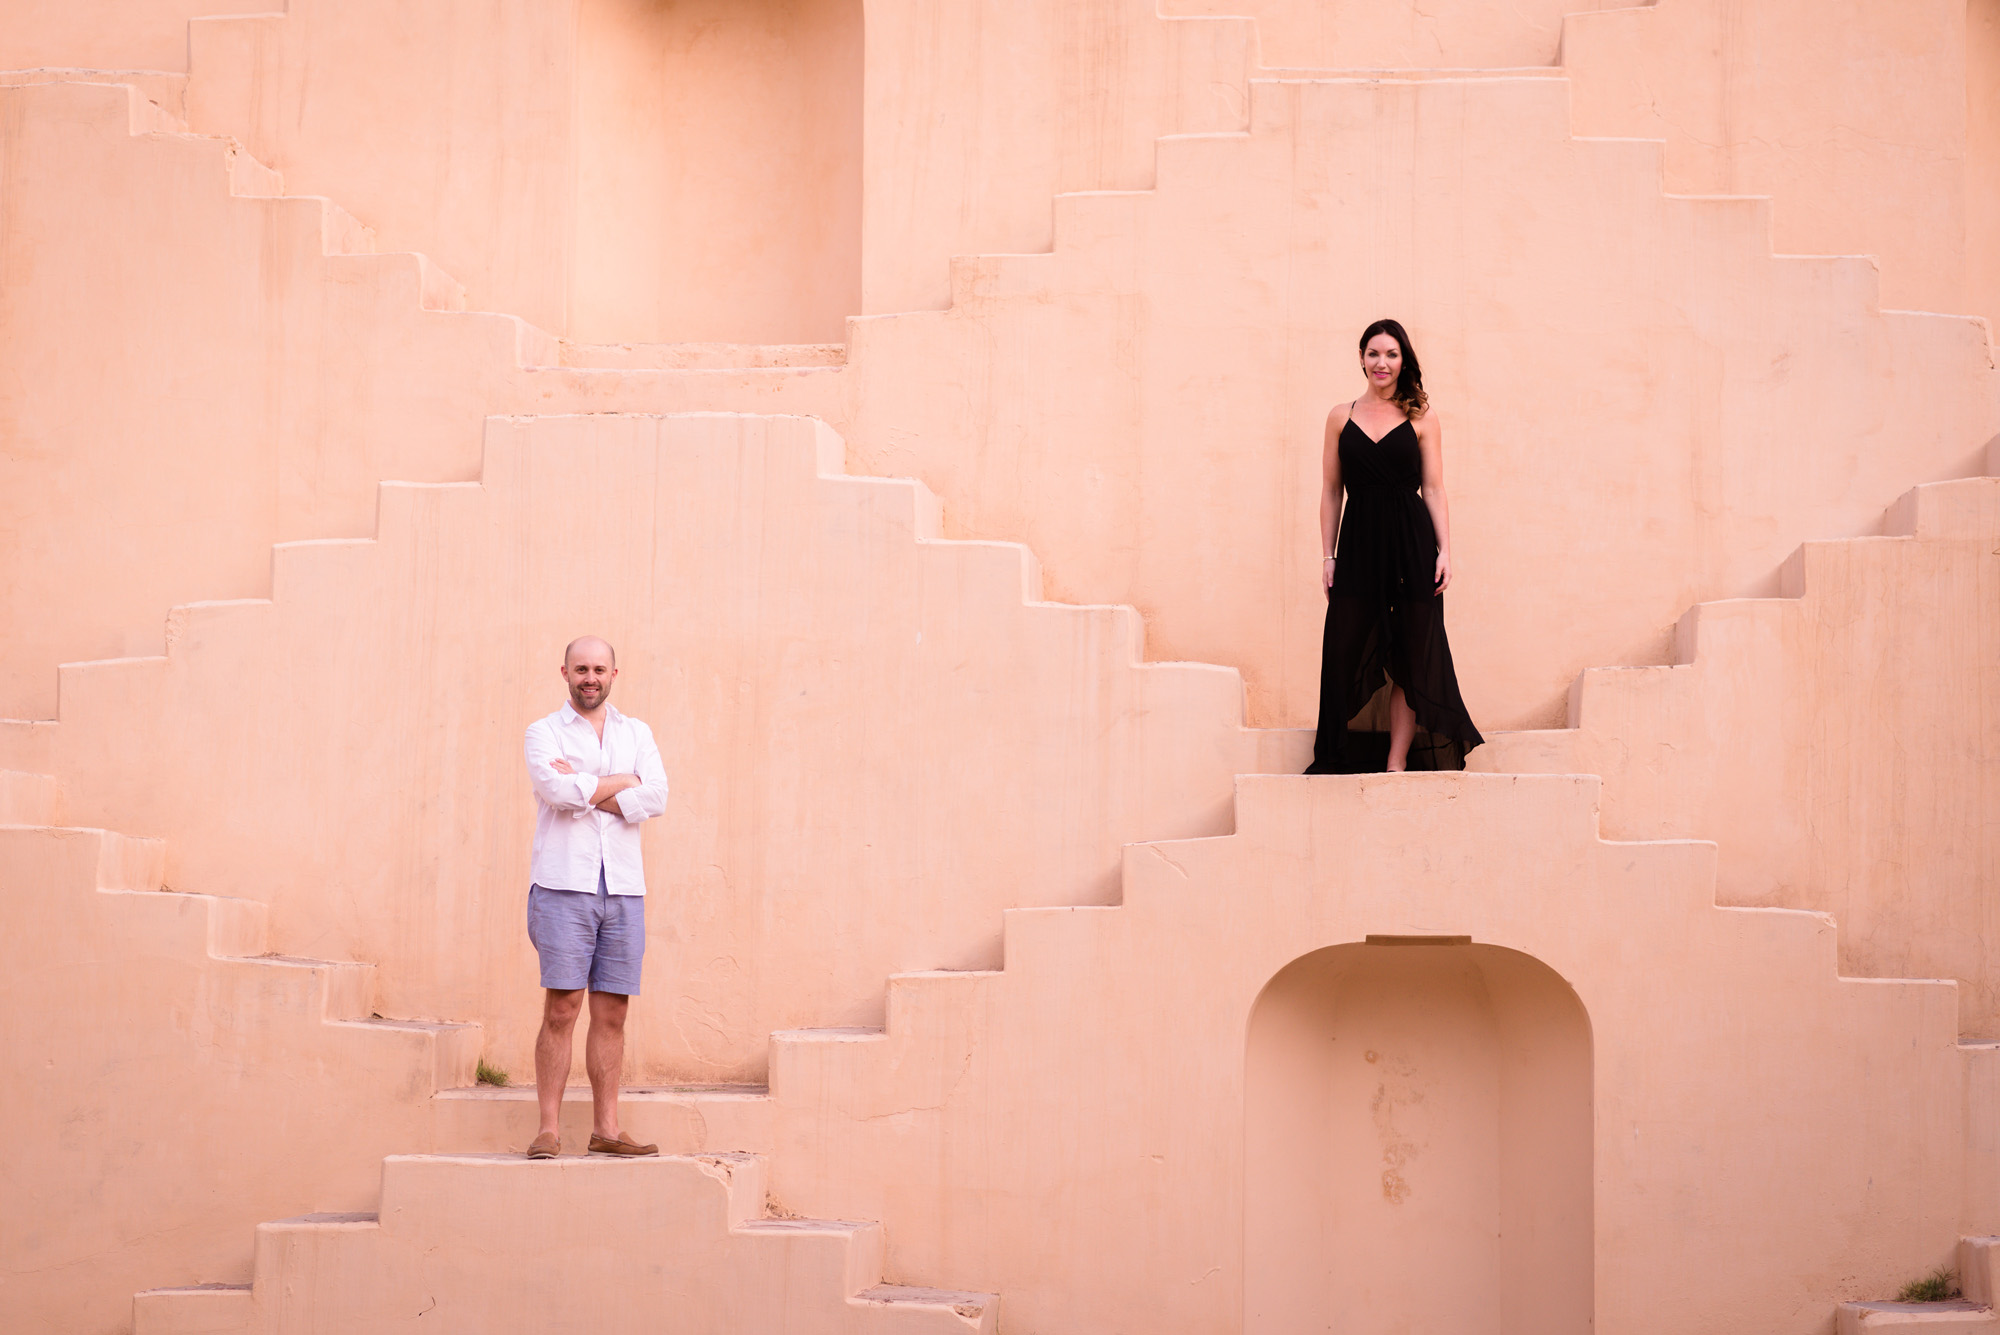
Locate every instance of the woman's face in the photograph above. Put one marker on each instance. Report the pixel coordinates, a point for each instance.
(1382, 361)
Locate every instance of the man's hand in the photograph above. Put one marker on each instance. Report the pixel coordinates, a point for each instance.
(608, 789)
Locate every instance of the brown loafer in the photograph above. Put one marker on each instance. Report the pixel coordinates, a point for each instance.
(545, 1146)
(631, 1149)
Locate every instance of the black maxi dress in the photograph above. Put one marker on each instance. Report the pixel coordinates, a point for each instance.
(1384, 618)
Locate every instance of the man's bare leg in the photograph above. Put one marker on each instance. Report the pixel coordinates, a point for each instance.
(604, 1059)
(552, 1053)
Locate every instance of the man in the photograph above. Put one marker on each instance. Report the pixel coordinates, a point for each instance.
(597, 776)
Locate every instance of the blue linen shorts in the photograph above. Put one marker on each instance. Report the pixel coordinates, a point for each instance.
(584, 940)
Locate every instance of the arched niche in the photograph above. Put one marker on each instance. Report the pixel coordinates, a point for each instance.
(718, 171)
(1418, 1156)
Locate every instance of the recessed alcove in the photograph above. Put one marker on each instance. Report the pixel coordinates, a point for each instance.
(718, 171)
(1418, 1145)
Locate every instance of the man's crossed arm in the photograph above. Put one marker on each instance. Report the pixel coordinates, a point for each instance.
(608, 787)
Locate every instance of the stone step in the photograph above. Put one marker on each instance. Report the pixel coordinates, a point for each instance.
(1979, 1257)
(1955, 1318)
(30, 799)
(701, 356)
(569, 1234)
(1287, 74)
(680, 1119)
(165, 89)
(1967, 509)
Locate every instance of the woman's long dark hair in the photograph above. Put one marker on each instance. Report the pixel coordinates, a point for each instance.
(1409, 395)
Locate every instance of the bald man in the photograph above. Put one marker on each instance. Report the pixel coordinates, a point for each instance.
(597, 778)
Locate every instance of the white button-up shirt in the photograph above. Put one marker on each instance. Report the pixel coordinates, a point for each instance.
(572, 837)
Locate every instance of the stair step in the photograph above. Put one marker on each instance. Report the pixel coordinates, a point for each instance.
(1979, 1257)
(974, 1305)
(1967, 508)
(125, 862)
(1302, 74)
(195, 1309)
(680, 1119)
(30, 799)
(1929, 1318)
(690, 1217)
(701, 356)
(162, 88)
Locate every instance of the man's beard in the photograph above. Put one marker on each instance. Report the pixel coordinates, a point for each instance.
(583, 706)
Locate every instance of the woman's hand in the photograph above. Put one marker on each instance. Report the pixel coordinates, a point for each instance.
(1326, 571)
(1443, 576)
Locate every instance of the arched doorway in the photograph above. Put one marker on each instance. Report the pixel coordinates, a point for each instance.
(1418, 1145)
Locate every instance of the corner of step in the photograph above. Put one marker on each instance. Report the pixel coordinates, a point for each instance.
(30, 799)
(195, 1309)
(1949, 1318)
(249, 178)
(438, 290)
(127, 862)
(978, 1313)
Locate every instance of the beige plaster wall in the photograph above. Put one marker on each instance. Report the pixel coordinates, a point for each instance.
(570, 1235)
(106, 34)
(1594, 350)
(448, 128)
(978, 115)
(191, 376)
(171, 1099)
(239, 369)
(1437, 34)
(876, 744)
(1095, 1088)
(1982, 157)
(1840, 746)
(1851, 116)
(1402, 1101)
(974, 118)
(718, 171)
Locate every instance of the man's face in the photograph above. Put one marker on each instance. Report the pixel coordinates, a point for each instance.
(589, 673)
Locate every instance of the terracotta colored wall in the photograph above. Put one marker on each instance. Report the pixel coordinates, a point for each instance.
(106, 34)
(1594, 350)
(1838, 745)
(974, 119)
(174, 1096)
(1403, 1101)
(1095, 1087)
(1439, 34)
(1982, 157)
(718, 174)
(979, 114)
(1143, 405)
(229, 383)
(1851, 116)
(448, 128)
(853, 721)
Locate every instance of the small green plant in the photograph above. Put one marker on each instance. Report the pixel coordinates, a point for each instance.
(1940, 1286)
(491, 1075)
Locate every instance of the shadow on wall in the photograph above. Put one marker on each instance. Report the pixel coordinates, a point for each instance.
(1418, 1144)
(718, 192)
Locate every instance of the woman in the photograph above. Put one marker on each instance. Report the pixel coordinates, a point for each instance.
(1386, 563)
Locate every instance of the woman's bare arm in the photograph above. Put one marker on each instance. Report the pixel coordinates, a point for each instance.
(1430, 442)
(1329, 495)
